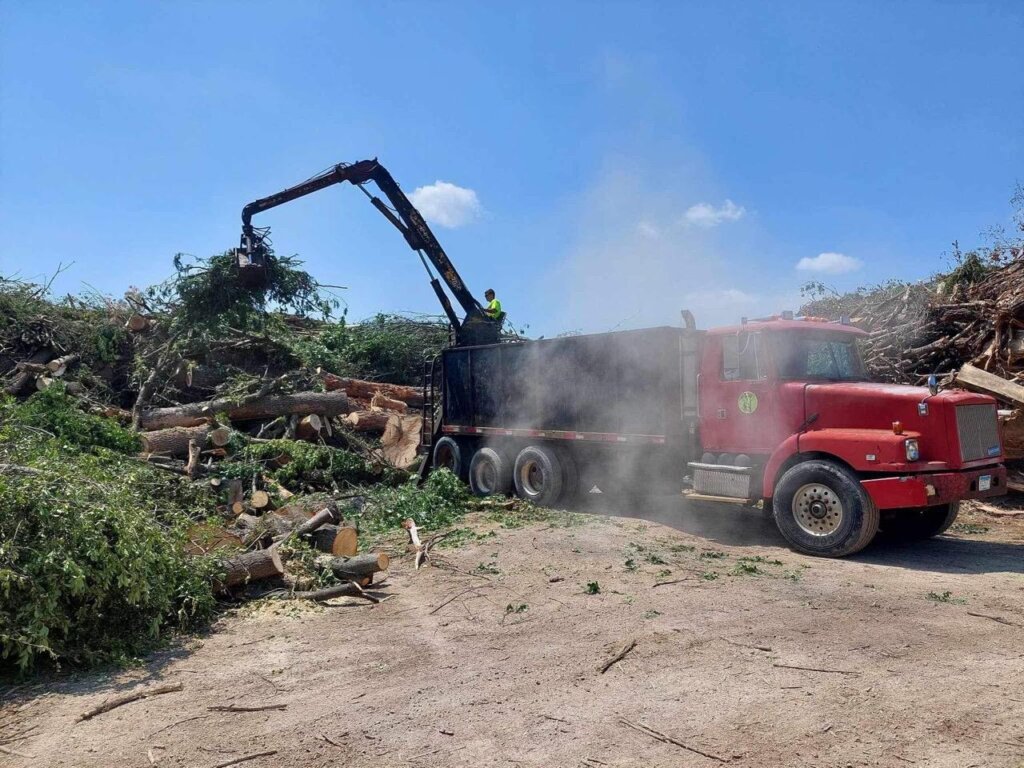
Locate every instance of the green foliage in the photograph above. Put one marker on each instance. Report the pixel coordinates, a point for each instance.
(631, 564)
(297, 464)
(709, 575)
(652, 614)
(516, 608)
(490, 568)
(440, 503)
(55, 412)
(945, 597)
(386, 347)
(712, 554)
(92, 565)
(592, 588)
(210, 293)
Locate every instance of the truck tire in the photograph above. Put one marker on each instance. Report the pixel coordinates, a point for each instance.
(539, 475)
(822, 509)
(452, 454)
(570, 473)
(490, 472)
(916, 524)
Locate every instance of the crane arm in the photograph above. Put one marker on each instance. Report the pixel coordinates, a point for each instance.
(404, 217)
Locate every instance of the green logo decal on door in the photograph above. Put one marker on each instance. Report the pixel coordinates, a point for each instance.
(748, 402)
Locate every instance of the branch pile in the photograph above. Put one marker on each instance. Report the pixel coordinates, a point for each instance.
(971, 316)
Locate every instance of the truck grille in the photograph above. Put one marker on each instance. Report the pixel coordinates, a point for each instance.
(978, 430)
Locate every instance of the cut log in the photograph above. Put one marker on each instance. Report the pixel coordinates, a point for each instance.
(137, 323)
(248, 522)
(346, 543)
(220, 436)
(24, 377)
(60, 366)
(310, 428)
(382, 401)
(43, 382)
(978, 380)
(249, 566)
(360, 566)
(192, 465)
(235, 493)
(323, 517)
(259, 500)
(358, 388)
(401, 440)
(173, 441)
(192, 414)
(372, 422)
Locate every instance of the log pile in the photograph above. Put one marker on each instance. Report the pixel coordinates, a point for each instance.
(261, 558)
(935, 327)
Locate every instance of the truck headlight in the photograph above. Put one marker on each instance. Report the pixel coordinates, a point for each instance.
(912, 449)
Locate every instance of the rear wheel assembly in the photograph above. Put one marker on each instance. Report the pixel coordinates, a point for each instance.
(822, 509)
(452, 454)
(539, 475)
(490, 472)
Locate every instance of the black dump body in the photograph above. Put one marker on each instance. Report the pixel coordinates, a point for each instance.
(633, 383)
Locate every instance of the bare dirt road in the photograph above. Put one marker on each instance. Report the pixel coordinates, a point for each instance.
(745, 653)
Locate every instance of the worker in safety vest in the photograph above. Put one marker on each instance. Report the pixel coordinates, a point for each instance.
(493, 308)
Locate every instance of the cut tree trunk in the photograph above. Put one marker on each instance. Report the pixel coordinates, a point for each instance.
(173, 441)
(249, 566)
(259, 500)
(382, 401)
(24, 377)
(310, 428)
(336, 540)
(401, 440)
(358, 388)
(193, 414)
(360, 566)
(372, 422)
(60, 366)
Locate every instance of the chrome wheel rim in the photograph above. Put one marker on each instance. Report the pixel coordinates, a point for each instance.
(817, 509)
(531, 477)
(486, 477)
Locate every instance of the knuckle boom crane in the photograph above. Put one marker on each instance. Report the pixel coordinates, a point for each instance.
(252, 254)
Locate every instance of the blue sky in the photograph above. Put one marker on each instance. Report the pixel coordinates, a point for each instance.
(605, 164)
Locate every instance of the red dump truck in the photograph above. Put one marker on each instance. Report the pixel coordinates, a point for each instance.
(778, 411)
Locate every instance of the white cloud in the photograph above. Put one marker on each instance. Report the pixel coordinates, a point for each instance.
(706, 215)
(829, 263)
(647, 229)
(447, 204)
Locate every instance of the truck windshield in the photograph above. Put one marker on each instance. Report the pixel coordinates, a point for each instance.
(812, 356)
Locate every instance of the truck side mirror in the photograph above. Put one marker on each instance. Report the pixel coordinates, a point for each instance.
(933, 384)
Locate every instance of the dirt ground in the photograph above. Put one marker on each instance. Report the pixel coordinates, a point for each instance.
(744, 651)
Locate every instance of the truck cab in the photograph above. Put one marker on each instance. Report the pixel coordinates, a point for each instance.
(788, 415)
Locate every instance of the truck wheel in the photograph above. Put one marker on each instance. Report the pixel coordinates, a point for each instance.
(453, 455)
(914, 524)
(570, 473)
(539, 475)
(823, 510)
(490, 473)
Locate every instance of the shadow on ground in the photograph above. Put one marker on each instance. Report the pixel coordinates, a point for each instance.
(737, 526)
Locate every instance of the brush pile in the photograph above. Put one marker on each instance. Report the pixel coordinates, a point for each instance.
(280, 443)
(973, 315)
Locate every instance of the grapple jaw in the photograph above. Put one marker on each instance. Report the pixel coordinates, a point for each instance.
(251, 257)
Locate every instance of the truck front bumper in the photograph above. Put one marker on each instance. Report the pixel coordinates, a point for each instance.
(933, 488)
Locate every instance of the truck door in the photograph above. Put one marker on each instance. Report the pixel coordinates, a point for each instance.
(737, 397)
